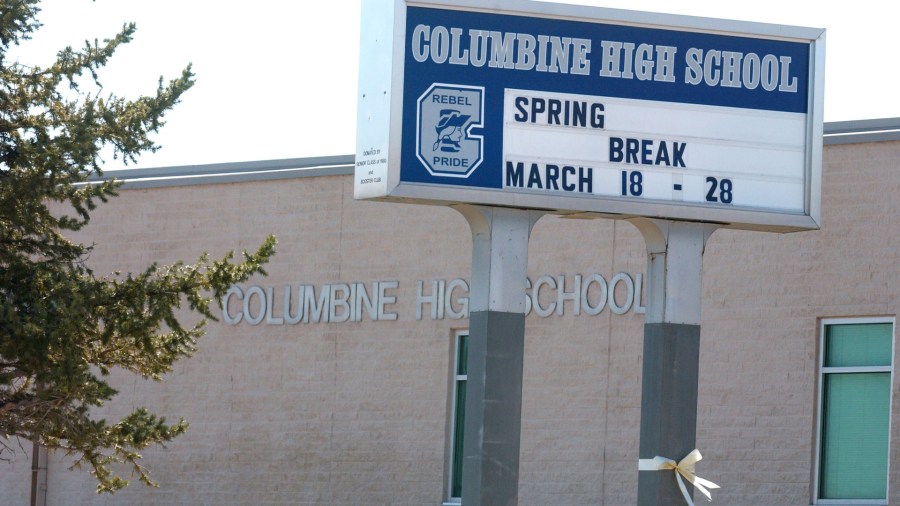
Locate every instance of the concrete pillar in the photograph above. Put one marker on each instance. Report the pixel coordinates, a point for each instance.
(671, 353)
(490, 475)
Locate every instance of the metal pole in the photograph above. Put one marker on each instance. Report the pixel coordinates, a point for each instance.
(38, 475)
(490, 475)
(671, 352)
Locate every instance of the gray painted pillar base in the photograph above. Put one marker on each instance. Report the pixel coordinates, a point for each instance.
(38, 475)
(490, 475)
(671, 356)
(668, 406)
(493, 409)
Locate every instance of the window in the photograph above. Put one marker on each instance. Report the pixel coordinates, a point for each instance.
(457, 418)
(855, 407)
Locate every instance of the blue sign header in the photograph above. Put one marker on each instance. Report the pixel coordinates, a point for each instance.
(606, 60)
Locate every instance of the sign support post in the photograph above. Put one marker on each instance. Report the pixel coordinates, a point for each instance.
(495, 354)
(671, 355)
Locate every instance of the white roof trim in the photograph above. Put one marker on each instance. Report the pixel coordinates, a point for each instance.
(233, 172)
(854, 132)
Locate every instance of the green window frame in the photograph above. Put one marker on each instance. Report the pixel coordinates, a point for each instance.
(853, 437)
(457, 416)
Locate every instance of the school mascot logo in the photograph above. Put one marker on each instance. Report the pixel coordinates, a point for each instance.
(447, 115)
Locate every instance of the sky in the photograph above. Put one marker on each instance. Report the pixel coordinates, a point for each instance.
(278, 78)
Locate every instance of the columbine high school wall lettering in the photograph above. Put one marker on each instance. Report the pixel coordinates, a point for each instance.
(291, 304)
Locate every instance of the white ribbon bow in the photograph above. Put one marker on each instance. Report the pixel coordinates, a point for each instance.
(684, 468)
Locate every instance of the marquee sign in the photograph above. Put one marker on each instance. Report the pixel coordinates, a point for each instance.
(589, 110)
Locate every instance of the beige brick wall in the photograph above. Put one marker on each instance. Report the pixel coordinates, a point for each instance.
(356, 412)
(764, 295)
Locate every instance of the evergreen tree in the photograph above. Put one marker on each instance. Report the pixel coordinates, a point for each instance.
(63, 327)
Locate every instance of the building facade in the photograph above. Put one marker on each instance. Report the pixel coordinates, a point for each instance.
(337, 379)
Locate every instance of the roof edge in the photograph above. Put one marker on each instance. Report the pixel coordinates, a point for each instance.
(858, 131)
(231, 172)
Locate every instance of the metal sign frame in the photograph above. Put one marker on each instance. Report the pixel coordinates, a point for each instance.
(383, 115)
